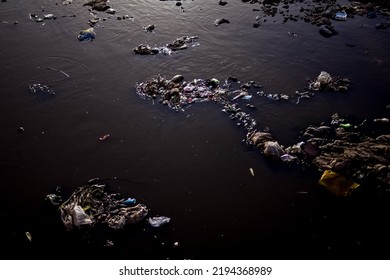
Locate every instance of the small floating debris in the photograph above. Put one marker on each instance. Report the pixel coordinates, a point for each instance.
(341, 16)
(179, 44)
(220, 21)
(325, 81)
(28, 235)
(111, 11)
(130, 201)
(149, 28)
(54, 199)
(34, 88)
(104, 137)
(87, 34)
(292, 34)
(382, 120)
(158, 221)
(109, 243)
(49, 16)
(93, 21)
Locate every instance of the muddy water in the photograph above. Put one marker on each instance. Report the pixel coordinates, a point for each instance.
(191, 166)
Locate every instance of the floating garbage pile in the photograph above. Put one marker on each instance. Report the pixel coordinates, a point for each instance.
(98, 5)
(177, 93)
(91, 204)
(338, 148)
(91, 208)
(343, 147)
(327, 82)
(320, 12)
(179, 44)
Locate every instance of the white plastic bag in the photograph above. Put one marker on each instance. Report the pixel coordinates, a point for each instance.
(79, 216)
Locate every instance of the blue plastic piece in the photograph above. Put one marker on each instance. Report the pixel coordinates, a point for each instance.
(130, 201)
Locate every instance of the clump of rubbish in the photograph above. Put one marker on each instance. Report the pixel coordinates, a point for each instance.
(40, 19)
(40, 88)
(87, 34)
(220, 21)
(98, 5)
(91, 204)
(158, 221)
(342, 150)
(325, 81)
(180, 43)
(149, 28)
(143, 49)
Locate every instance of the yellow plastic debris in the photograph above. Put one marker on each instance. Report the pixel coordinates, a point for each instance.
(337, 184)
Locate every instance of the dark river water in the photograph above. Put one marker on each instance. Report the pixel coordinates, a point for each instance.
(191, 166)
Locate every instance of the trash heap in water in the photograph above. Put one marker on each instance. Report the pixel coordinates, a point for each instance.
(340, 149)
(91, 204)
(325, 81)
(179, 44)
(177, 94)
(347, 156)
